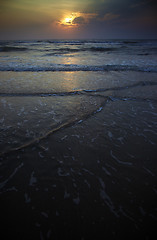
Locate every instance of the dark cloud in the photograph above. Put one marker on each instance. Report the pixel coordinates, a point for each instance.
(78, 20)
(123, 18)
(125, 8)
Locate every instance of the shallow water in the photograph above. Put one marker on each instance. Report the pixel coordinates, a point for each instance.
(32, 108)
(78, 148)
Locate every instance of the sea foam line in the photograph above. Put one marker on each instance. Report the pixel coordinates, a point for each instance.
(58, 127)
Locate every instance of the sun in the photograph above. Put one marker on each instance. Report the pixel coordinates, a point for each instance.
(73, 20)
(68, 20)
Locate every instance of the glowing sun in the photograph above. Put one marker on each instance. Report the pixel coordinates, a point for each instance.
(68, 20)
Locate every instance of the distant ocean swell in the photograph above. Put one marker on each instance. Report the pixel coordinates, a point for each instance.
(61, 50)
(52, 49)
(73, 67)
(12, 49)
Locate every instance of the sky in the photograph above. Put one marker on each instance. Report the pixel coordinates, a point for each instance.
(78, 19)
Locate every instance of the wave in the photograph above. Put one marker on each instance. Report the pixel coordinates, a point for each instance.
(68, 50)
(61, 51)
(71, 68)
(12, 49)
(102, 49)
(65, 47)
(53, 51)
(120, 49)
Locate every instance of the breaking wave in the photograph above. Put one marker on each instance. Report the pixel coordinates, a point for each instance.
(60, 50)
(73, 67)
(83, 49)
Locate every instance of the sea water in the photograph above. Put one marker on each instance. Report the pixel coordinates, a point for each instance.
(78, 135)
(39, 78)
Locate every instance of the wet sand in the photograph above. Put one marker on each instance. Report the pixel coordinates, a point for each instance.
(94, 177)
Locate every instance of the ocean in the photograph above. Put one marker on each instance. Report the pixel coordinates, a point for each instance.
(78, 137)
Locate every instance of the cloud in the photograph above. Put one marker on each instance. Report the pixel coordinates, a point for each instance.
(84, 18)
(140, 4)
(102, 18)
(75, 19)
(110, 16)
(88, 17)
(78, 20)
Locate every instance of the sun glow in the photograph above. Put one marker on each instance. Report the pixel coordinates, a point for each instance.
(75, 20)
(68, 20)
